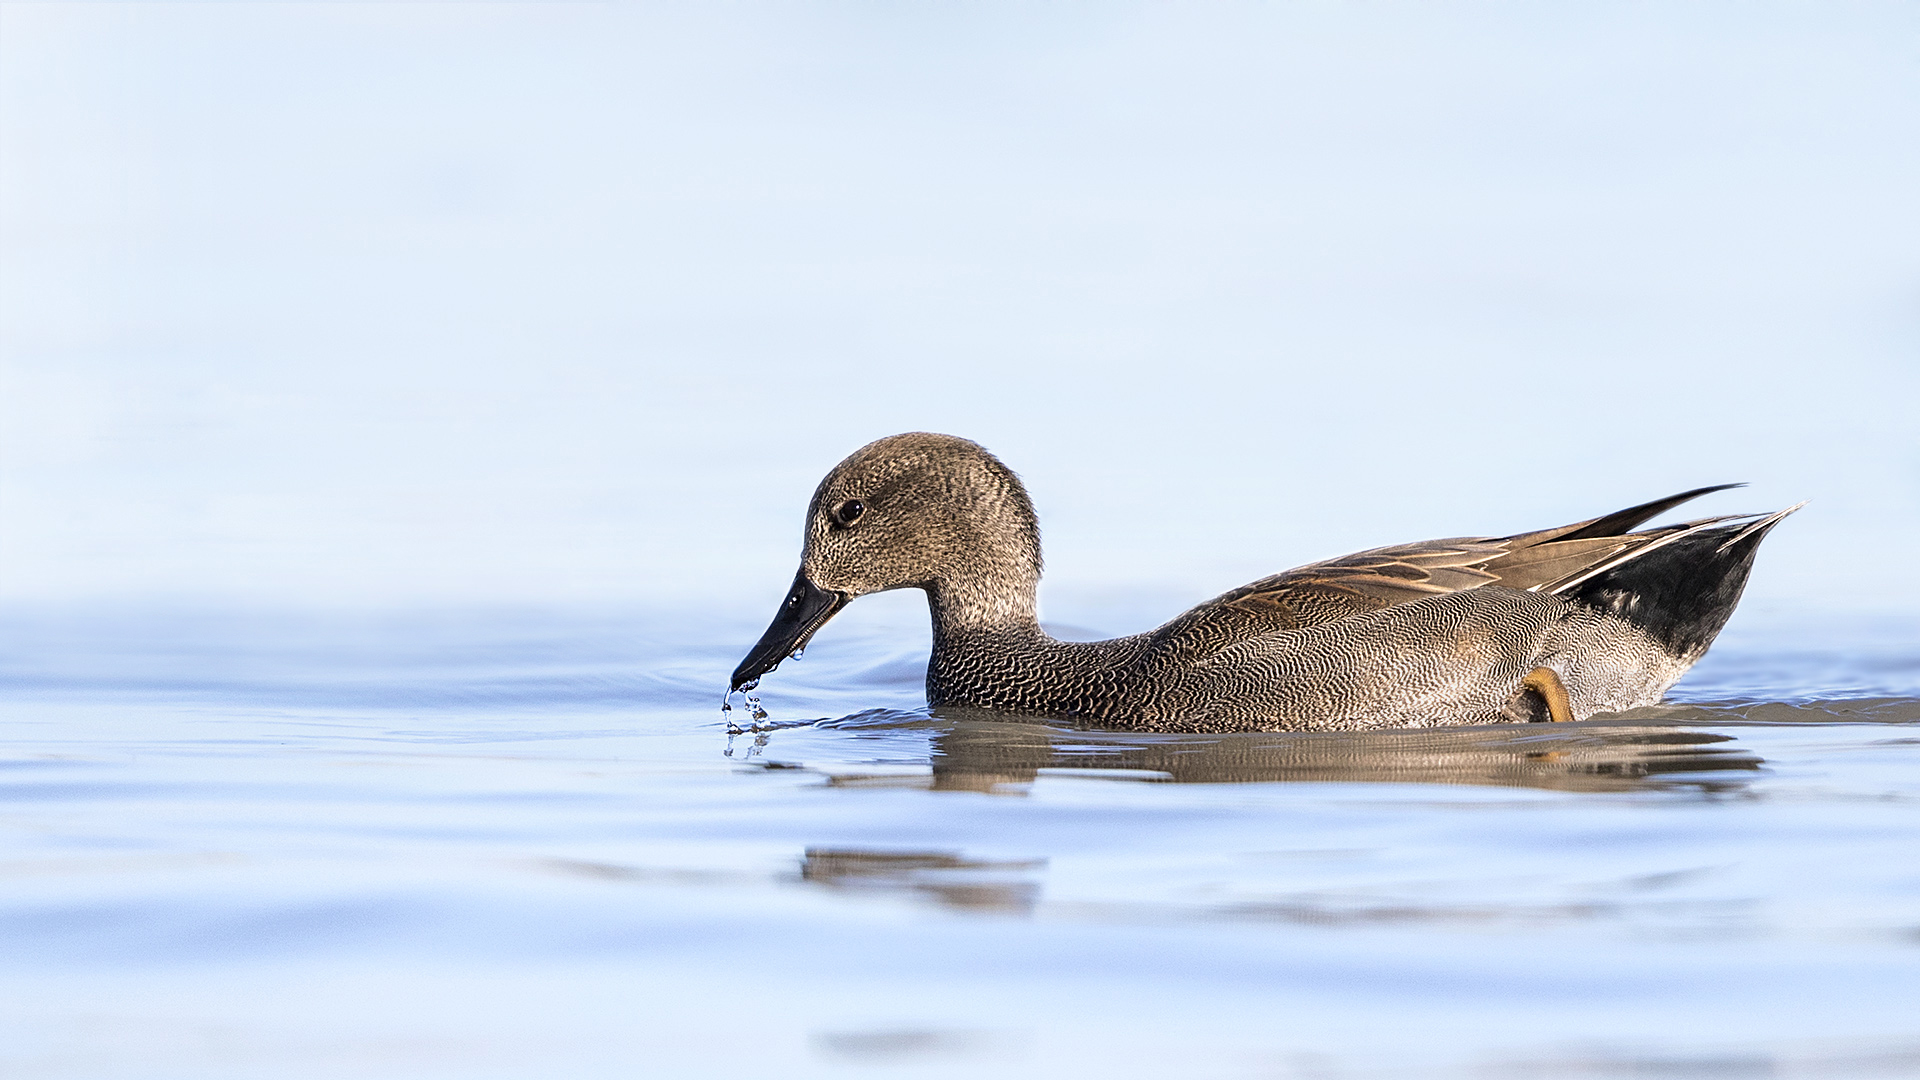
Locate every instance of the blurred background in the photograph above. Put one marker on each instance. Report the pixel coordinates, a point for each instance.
(378, 305)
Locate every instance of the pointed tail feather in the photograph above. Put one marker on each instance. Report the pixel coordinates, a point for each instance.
(1618, 523)
(1758, 530)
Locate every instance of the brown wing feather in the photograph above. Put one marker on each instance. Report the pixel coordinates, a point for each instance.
(1533, 566)
(1394, 575)
(1322, 592)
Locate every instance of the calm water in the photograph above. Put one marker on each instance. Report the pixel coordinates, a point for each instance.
(521, 844)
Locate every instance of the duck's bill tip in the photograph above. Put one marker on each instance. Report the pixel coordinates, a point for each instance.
(805, 610)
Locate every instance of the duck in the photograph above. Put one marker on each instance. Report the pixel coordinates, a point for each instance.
(1556, 625)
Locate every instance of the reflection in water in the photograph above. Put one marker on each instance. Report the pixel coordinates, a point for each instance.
(1297, 895)
(974, 754)
(943, 877)
(1836, 1058)
(896, 1046)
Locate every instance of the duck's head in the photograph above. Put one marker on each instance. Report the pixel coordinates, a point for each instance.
(923, 511)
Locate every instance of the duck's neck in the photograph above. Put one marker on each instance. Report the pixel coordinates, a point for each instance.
(988, 648)
(989, 574)
(983, 608)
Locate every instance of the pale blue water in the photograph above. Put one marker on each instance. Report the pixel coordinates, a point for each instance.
(499, 843)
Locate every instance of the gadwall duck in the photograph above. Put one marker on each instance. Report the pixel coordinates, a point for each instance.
(1559, 624)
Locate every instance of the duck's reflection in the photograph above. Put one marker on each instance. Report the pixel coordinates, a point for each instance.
(973, 753)
(945, 878)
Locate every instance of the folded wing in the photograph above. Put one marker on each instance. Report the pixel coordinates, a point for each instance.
(1550, 561)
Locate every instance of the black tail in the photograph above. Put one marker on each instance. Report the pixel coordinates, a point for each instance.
(1682, 590)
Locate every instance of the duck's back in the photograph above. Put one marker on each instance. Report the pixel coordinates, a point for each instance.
(1551, 561)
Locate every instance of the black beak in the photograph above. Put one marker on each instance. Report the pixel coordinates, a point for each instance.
(806, 609)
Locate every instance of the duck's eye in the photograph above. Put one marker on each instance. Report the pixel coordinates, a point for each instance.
(849, 512)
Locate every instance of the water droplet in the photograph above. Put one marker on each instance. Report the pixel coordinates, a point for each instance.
(726, 713)
(797, 653)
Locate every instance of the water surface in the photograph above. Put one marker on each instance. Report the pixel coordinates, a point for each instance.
(521, 843)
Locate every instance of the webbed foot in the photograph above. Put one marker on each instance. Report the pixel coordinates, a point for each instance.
(1546, 682)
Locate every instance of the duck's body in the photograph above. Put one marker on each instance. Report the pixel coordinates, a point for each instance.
(1455, 659)
(1454, 631)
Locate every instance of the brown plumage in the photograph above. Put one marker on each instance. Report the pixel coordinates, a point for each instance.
(1549, 561)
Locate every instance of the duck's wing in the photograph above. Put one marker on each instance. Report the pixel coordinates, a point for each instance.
(1550, 560)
